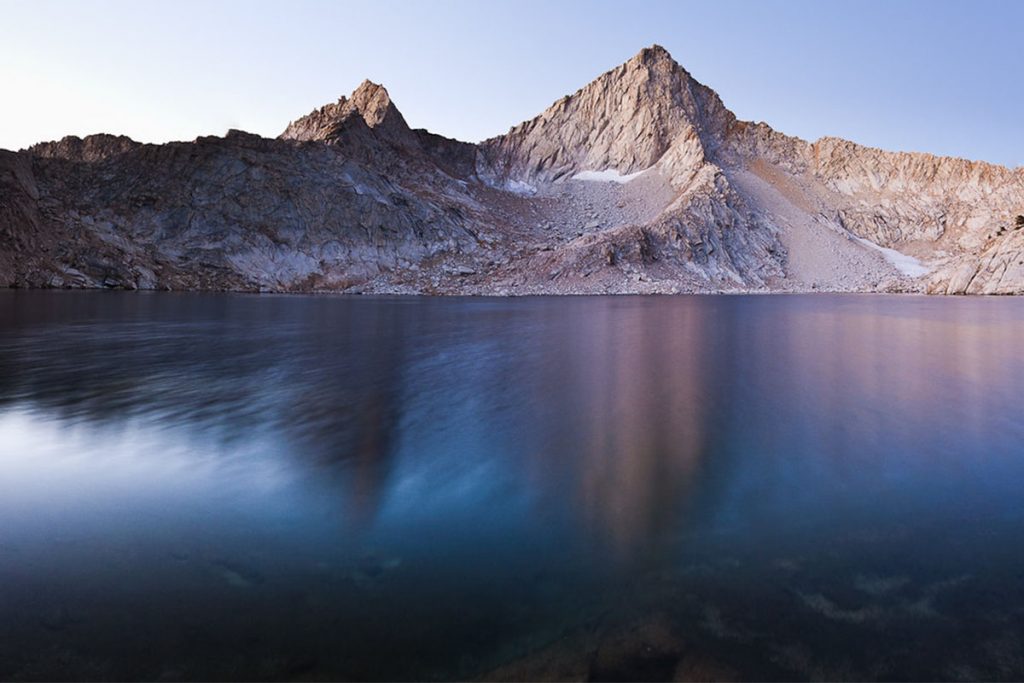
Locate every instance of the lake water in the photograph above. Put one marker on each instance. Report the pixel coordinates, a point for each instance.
(210, 486)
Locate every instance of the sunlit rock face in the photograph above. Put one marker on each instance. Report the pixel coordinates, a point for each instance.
(640, 182)
(627, 119)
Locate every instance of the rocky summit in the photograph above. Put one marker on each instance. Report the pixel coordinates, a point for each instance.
(641, 182)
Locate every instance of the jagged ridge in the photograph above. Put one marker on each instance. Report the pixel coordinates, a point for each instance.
(349, 198)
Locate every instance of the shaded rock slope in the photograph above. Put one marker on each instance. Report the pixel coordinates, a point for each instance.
(642, 181)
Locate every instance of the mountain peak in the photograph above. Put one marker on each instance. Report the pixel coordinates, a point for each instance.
(653, 55)
(369, 104)
(373, 103)
(624, 120)
(656, 64)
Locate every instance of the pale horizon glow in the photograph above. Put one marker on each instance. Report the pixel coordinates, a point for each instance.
(938, 77)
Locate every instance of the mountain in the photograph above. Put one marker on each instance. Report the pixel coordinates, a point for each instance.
(626, 119)
(642, 181)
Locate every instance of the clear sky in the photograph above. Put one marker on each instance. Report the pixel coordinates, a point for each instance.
(942, 77)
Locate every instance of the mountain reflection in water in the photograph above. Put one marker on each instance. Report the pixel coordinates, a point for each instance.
(227, 486)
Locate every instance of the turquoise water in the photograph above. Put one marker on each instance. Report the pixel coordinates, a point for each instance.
(212, 486)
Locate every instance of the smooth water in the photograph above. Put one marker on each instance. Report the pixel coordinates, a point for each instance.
(270, 487)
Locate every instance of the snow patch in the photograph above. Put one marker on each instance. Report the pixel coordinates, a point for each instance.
(519, 187)
(906, 264)
(609, 175)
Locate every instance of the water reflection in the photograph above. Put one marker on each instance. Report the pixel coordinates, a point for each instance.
(636, 394)
(239, 486)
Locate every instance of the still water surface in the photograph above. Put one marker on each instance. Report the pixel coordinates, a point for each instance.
(229, 486)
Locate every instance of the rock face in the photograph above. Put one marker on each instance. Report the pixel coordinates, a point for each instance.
(642, 181)
(369, 107)
(627, 119)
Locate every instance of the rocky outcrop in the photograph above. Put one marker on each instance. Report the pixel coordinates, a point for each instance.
(92, 148)
(998, 268)
(642, 181)
(369, 107)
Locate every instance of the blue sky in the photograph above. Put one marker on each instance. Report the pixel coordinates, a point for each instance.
(942, 77)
